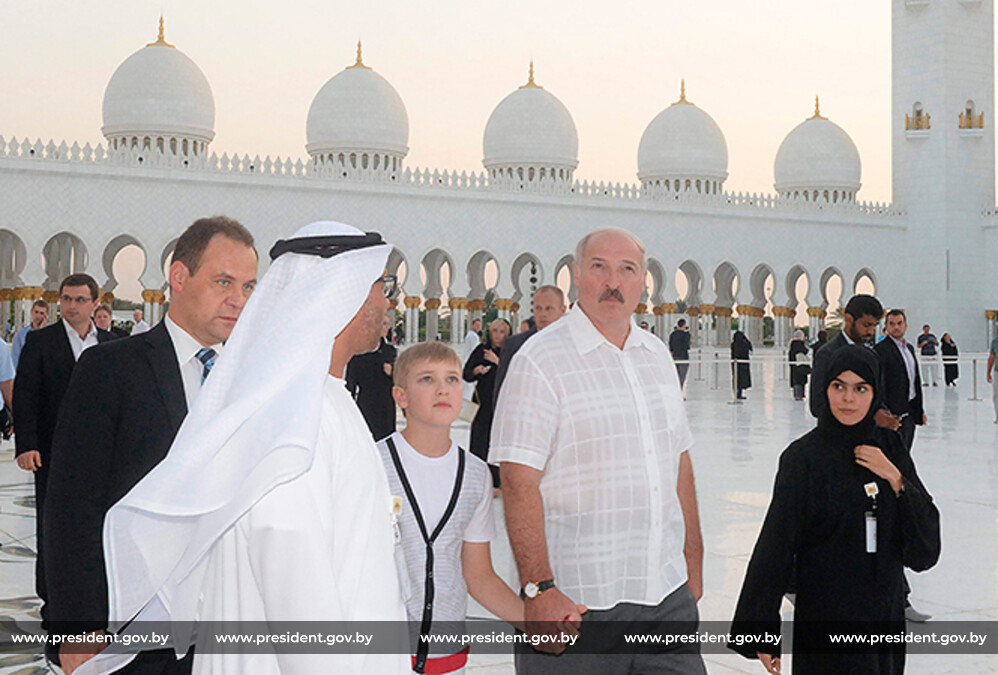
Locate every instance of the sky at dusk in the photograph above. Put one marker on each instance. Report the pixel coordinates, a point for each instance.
(754, 67)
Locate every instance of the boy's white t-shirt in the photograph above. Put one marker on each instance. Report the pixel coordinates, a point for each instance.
(432, 481)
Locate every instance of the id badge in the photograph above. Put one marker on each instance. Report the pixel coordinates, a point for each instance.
(871, 532)
(396, 512)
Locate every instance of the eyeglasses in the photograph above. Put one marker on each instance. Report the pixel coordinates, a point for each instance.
(79, 300)
(391, 283)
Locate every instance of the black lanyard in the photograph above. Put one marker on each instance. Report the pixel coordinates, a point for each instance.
(423, 647)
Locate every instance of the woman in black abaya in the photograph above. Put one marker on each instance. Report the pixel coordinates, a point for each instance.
(741, 350)
(849, 564)
(481, 369)
(950, 353)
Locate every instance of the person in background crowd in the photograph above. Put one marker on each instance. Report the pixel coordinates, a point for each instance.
(43, 373)
(859, 324)
(481, 368)
(820, 342)
(902, 394)
(7, 391)
(140, 324)
(679, 347)
(369, 381)
(103, 319)
(950, 354)
(799, 369)
(992, 367)
(927, 344)
(39, 319)
(548, 306)
(471, 340)
(741, 369)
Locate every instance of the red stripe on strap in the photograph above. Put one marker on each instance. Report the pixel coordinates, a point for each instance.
(441, 665)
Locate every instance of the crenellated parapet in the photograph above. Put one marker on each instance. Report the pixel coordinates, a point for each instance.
(299, 169)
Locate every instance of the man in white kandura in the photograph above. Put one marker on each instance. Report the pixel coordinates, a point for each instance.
(273, 504)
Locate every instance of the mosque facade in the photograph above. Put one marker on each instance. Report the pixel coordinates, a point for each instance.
(462, 238)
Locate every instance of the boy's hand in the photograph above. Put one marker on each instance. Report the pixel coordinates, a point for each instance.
(552, 613)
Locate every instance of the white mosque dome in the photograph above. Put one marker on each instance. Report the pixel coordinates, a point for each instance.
(159, 93)
(531, 129)
(683, 143)
(356, 112)
(817, 156)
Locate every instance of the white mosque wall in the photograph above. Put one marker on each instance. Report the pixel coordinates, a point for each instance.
(48, 189)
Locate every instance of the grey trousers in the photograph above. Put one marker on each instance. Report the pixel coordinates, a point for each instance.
(678, 606)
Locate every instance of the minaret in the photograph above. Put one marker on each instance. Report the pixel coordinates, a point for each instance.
(943, 162)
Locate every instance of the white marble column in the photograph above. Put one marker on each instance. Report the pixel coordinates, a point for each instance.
(432, 319)
(693, 320)
(722, 317)
(781, 325)
(412, 303)
(815, 322)
(458, 309)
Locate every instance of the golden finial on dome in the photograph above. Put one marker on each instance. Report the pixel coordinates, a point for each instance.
(682, 92)
(161, 39)
(360, 59)
(530, 78)
(817, 111)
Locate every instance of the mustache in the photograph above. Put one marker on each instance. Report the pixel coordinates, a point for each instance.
(612, 293)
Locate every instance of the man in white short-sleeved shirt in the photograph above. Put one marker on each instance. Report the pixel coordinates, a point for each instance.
(593, 441)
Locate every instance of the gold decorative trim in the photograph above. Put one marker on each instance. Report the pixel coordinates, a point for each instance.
(432, 303)
(816, 312)
(359, 63)
(817, 111)
(530, 78)
(458, 303)
(161, 39)
(412, 301)
(476, 305)
(682, 93)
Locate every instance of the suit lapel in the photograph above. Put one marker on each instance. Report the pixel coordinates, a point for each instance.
(163, 359)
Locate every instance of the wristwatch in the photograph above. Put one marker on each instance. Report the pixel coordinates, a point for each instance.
(531, 590)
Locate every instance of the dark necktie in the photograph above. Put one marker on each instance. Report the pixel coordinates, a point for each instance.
(207, 358)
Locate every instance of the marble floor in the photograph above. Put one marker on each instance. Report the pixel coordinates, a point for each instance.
(735, 460)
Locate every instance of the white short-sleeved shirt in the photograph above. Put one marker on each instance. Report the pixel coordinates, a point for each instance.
(6, 363)
(607, 427)
(432, 480)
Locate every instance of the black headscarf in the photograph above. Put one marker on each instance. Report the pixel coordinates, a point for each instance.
(863, 362)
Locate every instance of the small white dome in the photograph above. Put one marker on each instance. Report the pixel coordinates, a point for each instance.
(817, 155)
(357, 110)
(531, 127)
(159, 91)
(682, 142)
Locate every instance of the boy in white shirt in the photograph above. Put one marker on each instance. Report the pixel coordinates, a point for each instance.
(445, 522)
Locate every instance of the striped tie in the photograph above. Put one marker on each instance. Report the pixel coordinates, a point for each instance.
(207, 358)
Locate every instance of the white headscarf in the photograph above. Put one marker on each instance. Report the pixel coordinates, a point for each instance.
(798, 334)
(253, 427)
